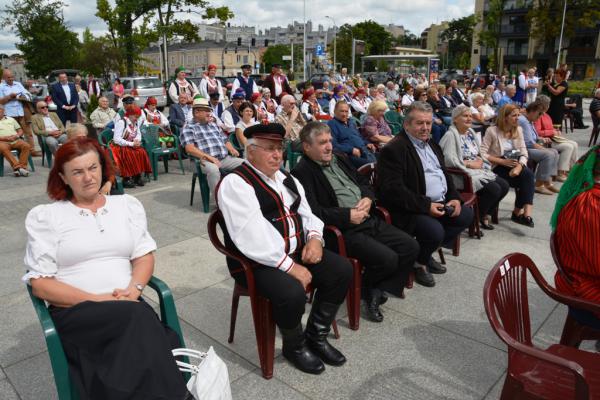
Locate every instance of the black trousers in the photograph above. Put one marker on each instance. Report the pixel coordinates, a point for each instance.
(432, 232)
(387, 253)
(490, 195)
(330, 278)
(65, 115)
(524, 184)
(119, 350)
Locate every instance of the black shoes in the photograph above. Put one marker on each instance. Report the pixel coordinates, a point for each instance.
(128, 183)
(485, 226)
(424, 277)
(296, 351)
(522, 219)
(435, 267)
(374, 300)
(139, 180)
(317, 328)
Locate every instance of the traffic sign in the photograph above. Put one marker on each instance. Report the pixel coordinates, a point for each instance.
(286, 58)
(320, 49)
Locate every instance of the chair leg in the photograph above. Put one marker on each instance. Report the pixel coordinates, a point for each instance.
(180, 162)
(411, 280)
(155, 167)
(205, 192)
(193, 188)
(442, 258)
(571, 334)
(166, 163)
(456, 247)
(265, 337)
(334, 327)
(353, 296)
(235, 301)
(1, 165)
(31, 163)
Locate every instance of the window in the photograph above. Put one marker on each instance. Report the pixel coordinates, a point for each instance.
(149, 83)
(245, 60)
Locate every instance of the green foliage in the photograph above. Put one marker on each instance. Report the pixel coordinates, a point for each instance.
(274, 55)
(459, 35)
(98, 55)
(584, 88)
(40, 26)
(92, 106)
(409, 39)
(377, 41)
(546, 15)
(490, 34)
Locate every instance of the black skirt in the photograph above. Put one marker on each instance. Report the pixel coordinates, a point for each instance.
(119, 350)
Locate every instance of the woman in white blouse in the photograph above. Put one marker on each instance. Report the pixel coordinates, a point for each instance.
(130, 156)
(90, 256)
(248, 117)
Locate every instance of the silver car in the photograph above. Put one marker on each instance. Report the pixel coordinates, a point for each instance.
(143, 87)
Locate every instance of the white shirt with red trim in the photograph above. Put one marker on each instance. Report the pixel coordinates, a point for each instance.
(252, 234)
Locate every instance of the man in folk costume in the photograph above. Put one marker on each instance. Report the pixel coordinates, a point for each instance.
(268, 219)
(277, 83)
(245, 82)
(93, 86)
(130, 156)
(181, 84)
(576, 225)
(209, 84)
(231, 116)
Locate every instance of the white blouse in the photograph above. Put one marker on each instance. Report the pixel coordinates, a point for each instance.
(91, 252)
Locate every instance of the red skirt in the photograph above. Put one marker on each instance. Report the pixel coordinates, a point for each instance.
(131, 161)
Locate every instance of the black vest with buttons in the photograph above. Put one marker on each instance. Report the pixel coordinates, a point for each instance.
(273, 210)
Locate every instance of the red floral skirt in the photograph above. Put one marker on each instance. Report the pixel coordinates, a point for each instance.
(131, 161)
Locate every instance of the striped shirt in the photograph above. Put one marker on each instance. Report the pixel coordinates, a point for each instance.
(578, 239)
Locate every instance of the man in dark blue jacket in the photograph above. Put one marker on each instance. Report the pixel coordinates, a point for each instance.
(65, 96)
(346, 138)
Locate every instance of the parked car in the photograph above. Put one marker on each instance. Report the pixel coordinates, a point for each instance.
(446, 76)
(375, 78)
(142, 87)
(316, 81)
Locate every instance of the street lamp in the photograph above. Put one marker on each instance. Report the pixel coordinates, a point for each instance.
(334, 41)
(304, 44)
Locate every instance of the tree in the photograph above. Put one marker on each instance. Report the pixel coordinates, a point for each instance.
(274, 55)
(408, 39)
(45, 40)
(490, 34)
(459, 35)
(377, 41)
(546, 15)
(98, 55)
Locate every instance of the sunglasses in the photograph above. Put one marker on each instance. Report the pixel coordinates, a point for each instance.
(43, 107)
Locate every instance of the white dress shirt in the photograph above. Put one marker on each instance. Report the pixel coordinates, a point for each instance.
(67, 91)
(252, 234)
(49, 124)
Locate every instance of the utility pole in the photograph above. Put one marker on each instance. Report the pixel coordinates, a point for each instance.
(334, 42)
(353, 54)
(292, 66)
(562, 28)
(304, 44)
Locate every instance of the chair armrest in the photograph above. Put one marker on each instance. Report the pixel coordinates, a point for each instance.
(168, 312)
(466, 179)
(60, 367)
(384, 214)
(339, 237)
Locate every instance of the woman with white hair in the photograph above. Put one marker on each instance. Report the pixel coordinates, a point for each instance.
(461, 150)
(567, 149)
(375, 128)
(269, 105)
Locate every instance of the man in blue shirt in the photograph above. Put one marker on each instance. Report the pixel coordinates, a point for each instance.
(11, 95)
(509, 93)
(546, 158)
(347, 139)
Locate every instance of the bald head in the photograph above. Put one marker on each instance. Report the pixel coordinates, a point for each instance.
(8, 76)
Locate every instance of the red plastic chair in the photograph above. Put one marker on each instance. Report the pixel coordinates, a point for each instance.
(469, 198)
(573, 332)
(559, 372)
(262, 312)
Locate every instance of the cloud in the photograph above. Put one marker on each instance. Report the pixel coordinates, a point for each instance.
(413, 15)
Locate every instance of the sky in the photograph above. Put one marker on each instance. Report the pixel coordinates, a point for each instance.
(413, 15)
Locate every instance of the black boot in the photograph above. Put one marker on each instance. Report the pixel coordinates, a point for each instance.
(128, 183)
(318, 327)
(139, 180)
(373, 303)
(296, 351)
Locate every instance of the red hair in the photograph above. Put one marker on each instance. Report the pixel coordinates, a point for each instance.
(57, 189)
(562, 73)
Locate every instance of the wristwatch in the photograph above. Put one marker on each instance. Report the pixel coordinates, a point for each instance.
(139, 287)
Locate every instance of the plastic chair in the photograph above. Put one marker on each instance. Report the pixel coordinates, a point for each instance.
(105, 137)
(394, 120)
(470, 199)
(262, 312)
(567, 122)
(292, 156)
(64, 386)
(573, 332)
(46, 153)
(594, 135)
(202, 185)
(16, 154)
(152, 145)
(558, 372)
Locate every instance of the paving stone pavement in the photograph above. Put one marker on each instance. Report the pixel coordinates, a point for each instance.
(435, 344)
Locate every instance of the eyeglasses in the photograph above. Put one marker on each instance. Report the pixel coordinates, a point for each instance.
(42, 107)
(270, 149)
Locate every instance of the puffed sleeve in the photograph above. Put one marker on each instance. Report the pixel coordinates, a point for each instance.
(42, 244)
(143, 242)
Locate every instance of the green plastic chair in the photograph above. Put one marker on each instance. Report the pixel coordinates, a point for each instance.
(235, 143)
(46, 153)
(153, 147)
(105, 137)
(202, 184)
(394, 120)
(292, 156)
(64, 386)
(16, 153)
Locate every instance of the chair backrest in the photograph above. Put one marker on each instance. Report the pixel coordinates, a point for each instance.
(369, 171)
(554, 249)
(393, 117)
(150, 136)
(505, 298)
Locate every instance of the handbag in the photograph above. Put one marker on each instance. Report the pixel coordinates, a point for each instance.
(559, 139)
(210, 379)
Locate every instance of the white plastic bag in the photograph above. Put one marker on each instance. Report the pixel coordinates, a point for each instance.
(210, 379)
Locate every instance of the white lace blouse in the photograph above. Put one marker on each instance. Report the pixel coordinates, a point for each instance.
(91, 252)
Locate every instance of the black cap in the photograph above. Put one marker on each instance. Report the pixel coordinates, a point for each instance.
(246, 66)
(214, 95)
(270, 131)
